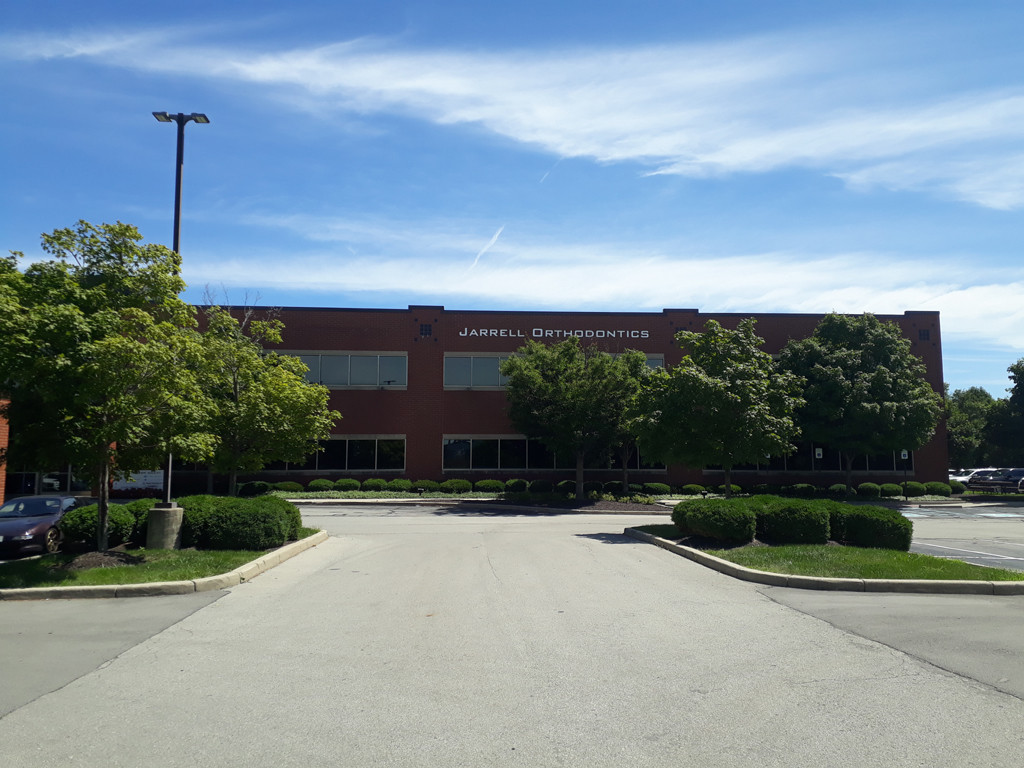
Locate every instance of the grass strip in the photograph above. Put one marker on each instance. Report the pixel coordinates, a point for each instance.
(159, 565)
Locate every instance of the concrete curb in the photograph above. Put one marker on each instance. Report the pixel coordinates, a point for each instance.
(233, 578)
(913, 586)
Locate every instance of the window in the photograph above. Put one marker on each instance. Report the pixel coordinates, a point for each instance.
(924, 334)
(356, 369)
(464, 371)
(351, 454)
(518, 453)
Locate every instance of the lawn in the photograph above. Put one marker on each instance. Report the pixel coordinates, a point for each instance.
(834, 561)
(156, 565)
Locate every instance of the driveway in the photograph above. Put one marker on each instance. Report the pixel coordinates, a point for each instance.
(441, 638)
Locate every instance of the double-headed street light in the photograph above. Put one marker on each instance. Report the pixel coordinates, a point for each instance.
(180, 118)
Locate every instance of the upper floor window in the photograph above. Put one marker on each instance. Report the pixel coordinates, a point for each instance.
(357, 369)
(474, 371)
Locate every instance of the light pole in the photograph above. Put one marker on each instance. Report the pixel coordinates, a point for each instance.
(181, 119)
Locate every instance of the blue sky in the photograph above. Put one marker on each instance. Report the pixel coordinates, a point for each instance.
(730, 156)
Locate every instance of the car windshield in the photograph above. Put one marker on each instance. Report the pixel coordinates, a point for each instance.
(30, 507)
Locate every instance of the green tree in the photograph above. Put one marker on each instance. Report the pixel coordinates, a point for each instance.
(1004, 432)
(725, 404)
(967, 413)
(265, 410)
(575, 400)
(866, 393)
(89, 357)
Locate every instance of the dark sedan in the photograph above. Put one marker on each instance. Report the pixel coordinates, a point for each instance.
(30, 524)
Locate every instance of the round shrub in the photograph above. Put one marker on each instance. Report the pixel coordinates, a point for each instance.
(956, 487)
(727, 520)
(613, 487)
(657, 489)
(426, 486)
(889, 490)
(566, 487)
(593, 486)
(938, 489)
(79, 526)
(254, 488)
(288, 486)
(912, 489)
(541, 486)
(692, 489)
(197, 511)
(139, 510)
(245, 524)
(793, 522)
(286, 509)
(455, 485)
(802, 491)
(400, 485)
(489, 486)
(320, 484)
(374, 485)
(869, 490)
(516, 485)
(679, 512)
(347, 484)
(837, 491)
(733, 489)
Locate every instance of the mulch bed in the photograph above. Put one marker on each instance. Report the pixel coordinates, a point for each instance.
(109, 559)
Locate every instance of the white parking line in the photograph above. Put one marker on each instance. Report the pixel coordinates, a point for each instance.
(973, 552)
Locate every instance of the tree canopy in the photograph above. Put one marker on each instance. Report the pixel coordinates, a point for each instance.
(967, 414)
(866, 392)
(91, 347)
(724, 404)
(574, 399)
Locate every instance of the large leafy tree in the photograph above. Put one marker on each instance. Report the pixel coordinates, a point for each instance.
(574, 399)
(1004, 432)
(967, 413)
(92, 342)
(866, 392)
(724, 404)
(265, 410)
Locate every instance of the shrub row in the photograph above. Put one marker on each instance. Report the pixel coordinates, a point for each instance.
(210, 522)
(780, 520)
(456, 485)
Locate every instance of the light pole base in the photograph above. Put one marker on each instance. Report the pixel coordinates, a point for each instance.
(163, 527)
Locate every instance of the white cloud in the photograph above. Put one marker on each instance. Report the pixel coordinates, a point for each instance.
(815, 99)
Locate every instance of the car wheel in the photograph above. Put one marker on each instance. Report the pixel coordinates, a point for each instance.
(51, 542)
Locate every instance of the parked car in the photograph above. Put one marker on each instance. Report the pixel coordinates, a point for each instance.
(31, 524)
(1000, 481)
(980, 475)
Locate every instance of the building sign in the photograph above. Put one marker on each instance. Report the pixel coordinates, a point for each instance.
(556, 333)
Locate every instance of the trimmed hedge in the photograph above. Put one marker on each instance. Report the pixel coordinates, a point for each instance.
(426, 486)
(140, 511)
(890, 490)
(78, 526)
(657, 489)
(288, 486)
(692, 489)
(567, 487)
(613, 487)
(593, 486)
(516, 485)
(876, 527)
(374, 484)
(541, 486)
(837, 491)
(320, 484)
(913, 489)
(400, 485)
(938, 489)
(728, 520)
(217, 522)
(489, 486)
(793, 521)
(957, 487)
(347, 484)
(455, 485)
(254, 488)
(869, 490)
(802, 491)
(733, 489)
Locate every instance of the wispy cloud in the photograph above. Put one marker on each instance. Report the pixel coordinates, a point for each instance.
(486, 248)
(811, 99)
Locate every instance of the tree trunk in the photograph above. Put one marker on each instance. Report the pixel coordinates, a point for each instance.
(728, 481)
(102, 538)
(209, 482)
(232, 482)
(626, 453)
(579, 475)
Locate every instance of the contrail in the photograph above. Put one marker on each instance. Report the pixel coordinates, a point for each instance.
(487, 247)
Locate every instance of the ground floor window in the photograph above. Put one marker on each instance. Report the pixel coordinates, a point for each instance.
(351, 454)
(810, 457)
(518, 452)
